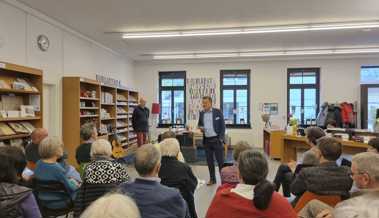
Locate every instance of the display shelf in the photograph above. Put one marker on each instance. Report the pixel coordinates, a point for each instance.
(16, 136)
(19, 119)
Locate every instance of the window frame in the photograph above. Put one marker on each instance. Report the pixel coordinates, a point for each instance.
(302, 87)
(235, 88)
(172, 75)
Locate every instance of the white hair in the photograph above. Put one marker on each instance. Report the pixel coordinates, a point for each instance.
(114, 205)
(367, 162)
(170, 147)
(101, 147)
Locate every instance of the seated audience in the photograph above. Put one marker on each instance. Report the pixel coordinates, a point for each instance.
(48, 169)
(31, 151)
(113, 205)
(229, 174)
(176, 174)
(284, 177)
(364, 204)
(153, 199)
(254, 196)
(15, 200)
(327, 178)
(373, 145)
(101, 175)
(168, 135)
(88, 134)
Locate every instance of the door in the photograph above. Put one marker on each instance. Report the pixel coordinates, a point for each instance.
(369, 105)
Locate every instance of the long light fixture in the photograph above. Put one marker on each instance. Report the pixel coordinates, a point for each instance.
(366, 50)
(253, 30)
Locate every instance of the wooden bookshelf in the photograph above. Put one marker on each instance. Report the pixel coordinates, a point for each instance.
(9, 73)
(73, 89)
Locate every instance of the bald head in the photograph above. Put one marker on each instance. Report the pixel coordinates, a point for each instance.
(142, 102)
(38, 135)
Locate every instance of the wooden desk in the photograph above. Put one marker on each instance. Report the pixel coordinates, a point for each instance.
(293, 144)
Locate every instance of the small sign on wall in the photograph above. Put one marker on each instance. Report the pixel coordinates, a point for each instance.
(270, 108)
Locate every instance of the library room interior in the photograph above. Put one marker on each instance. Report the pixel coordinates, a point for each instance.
(189, 109)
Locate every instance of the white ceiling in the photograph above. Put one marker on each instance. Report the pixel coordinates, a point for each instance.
(94, 17)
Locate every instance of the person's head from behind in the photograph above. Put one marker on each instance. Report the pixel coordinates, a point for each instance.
(17, 156)
(147, 161)
(101, 148)
(8, 172)
(253, 170)
(373, 145)
(114, 205)
(330, 148)
(88, 132)
(38, 135)
(167, 135)
(365, 170)
(51, 148)
(311, 158)
(170, 147)
(142, 102)
(207, 103)
(240, 147)
(313, 134)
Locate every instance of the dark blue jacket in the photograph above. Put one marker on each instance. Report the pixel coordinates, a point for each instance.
(218, 122)
(155, 200)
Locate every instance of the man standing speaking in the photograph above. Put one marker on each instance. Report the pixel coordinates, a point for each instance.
(212, 124)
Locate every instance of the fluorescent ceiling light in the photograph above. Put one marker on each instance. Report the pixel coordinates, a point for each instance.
(253, 30)
(367, 50)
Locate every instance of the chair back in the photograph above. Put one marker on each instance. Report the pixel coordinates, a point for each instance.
(52, 193)
(331, 200)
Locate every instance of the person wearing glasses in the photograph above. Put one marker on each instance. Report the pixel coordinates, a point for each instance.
(364, 203)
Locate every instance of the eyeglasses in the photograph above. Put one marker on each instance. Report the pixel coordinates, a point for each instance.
(352, 174)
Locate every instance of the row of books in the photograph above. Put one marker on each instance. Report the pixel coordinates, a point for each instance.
(12, 128)
(19, 84)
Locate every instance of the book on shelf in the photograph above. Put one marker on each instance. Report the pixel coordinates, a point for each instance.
(18, 128)
(121, 98)
(107, 98)
(5, 130)
(28, 126)
(4, 85)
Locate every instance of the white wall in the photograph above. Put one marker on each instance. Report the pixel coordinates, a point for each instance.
(70, 53)
(339, 82)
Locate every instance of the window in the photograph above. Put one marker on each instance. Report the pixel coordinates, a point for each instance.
(172, 98)
(369, 96)
(235, 97)
(303, 94)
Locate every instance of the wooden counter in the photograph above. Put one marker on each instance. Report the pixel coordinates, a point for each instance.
(273, 143)
(293, 144)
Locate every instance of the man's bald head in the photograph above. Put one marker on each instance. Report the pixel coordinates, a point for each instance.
(38, 135)
(142, 102)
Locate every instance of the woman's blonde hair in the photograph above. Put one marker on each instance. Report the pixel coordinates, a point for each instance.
(101, 147)
(113, 205)
(49, 147)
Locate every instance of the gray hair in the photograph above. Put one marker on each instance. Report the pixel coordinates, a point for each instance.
(310, 158)
(170, 147)
(86, 131)
(49, 147)
(239, 148)
(101, 147)
(115, 205)
(147, 158)
(368, 162)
